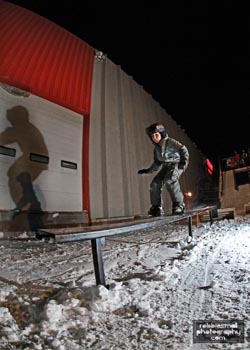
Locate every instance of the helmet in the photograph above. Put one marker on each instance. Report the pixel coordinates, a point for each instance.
(154, 128)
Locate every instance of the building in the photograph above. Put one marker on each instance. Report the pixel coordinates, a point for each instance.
(81, 128)
(234, 182)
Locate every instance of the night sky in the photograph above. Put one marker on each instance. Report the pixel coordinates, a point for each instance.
(193, 57)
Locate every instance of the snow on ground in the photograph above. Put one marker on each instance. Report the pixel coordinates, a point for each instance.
(158, 284)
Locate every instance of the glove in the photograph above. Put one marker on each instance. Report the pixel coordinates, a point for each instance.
(181, 166)
(142, 171)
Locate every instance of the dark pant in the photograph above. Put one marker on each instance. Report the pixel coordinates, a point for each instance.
(168, 176)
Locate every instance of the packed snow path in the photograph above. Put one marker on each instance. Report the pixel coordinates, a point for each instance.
(159, 283)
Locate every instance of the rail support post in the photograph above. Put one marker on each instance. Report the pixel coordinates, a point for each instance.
(98, 261)
(213, 213)
(190, 225)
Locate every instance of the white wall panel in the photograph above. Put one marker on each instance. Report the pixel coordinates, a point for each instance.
(57, 189)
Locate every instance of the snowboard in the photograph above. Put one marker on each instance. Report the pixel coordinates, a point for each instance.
(184, 214)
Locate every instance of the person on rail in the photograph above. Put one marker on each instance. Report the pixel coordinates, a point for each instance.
(173, 158)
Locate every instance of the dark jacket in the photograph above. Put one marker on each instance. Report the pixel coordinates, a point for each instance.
(169, 151)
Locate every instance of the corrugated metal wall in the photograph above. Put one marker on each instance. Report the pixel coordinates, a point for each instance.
(39, 56)
(120, 111)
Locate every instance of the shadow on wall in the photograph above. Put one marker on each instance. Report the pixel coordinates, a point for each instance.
(32, 162)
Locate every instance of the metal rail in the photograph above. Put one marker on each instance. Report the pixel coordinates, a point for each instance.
(95, 235)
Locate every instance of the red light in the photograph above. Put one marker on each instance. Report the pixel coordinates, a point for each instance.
(210, 166)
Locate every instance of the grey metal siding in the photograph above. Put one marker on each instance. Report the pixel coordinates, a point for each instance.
(120, 111)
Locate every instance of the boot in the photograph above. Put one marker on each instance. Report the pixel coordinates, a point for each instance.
(178, 208)
(156, 211)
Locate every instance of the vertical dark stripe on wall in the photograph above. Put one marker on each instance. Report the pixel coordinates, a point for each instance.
(85, 167)
(123, 142)
(103, 145)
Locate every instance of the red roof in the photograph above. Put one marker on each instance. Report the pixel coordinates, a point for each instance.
(41, 57)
